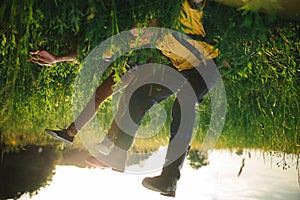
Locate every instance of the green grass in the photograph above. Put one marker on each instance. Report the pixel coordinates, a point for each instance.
(259, 62)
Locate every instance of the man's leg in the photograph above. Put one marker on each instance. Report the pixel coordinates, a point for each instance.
(181, 131)
(121, 138)
(177, 150)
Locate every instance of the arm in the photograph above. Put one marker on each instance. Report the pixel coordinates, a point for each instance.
(71, 57)
(44, 58)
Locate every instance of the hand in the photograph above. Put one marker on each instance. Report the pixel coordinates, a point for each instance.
(197, 1)
(43, 58)
(195, 4)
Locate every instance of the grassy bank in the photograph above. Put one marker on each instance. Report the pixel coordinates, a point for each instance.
(259, 62)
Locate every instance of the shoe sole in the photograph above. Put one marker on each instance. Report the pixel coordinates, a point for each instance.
(53, 134)
(150, 187)
(95, 163)
(155, 189)
(171, 194)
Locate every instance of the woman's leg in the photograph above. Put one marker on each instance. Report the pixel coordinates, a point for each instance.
(101, 94)
(120, 139)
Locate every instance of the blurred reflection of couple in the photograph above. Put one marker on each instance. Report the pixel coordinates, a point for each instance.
(113, 149)
(26, 171)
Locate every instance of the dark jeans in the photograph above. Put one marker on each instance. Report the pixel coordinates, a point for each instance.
(143, 98)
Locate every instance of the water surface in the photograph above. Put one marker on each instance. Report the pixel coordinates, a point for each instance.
(222, 178)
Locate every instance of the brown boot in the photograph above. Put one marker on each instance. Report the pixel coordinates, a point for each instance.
(166, 183)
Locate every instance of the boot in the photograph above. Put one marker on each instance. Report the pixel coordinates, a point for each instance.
(115, 138)
(166, 183)
(105, 146)
(116, 159)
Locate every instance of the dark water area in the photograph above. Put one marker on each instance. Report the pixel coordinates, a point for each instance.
(41, 173)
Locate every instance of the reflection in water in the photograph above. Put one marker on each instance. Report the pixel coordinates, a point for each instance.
(247, 174)
(26, 171)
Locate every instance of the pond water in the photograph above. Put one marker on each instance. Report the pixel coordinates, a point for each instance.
(223, 177)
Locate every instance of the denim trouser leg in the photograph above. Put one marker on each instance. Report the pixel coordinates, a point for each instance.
(145, 97)
(140, 102)
(182, 124)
